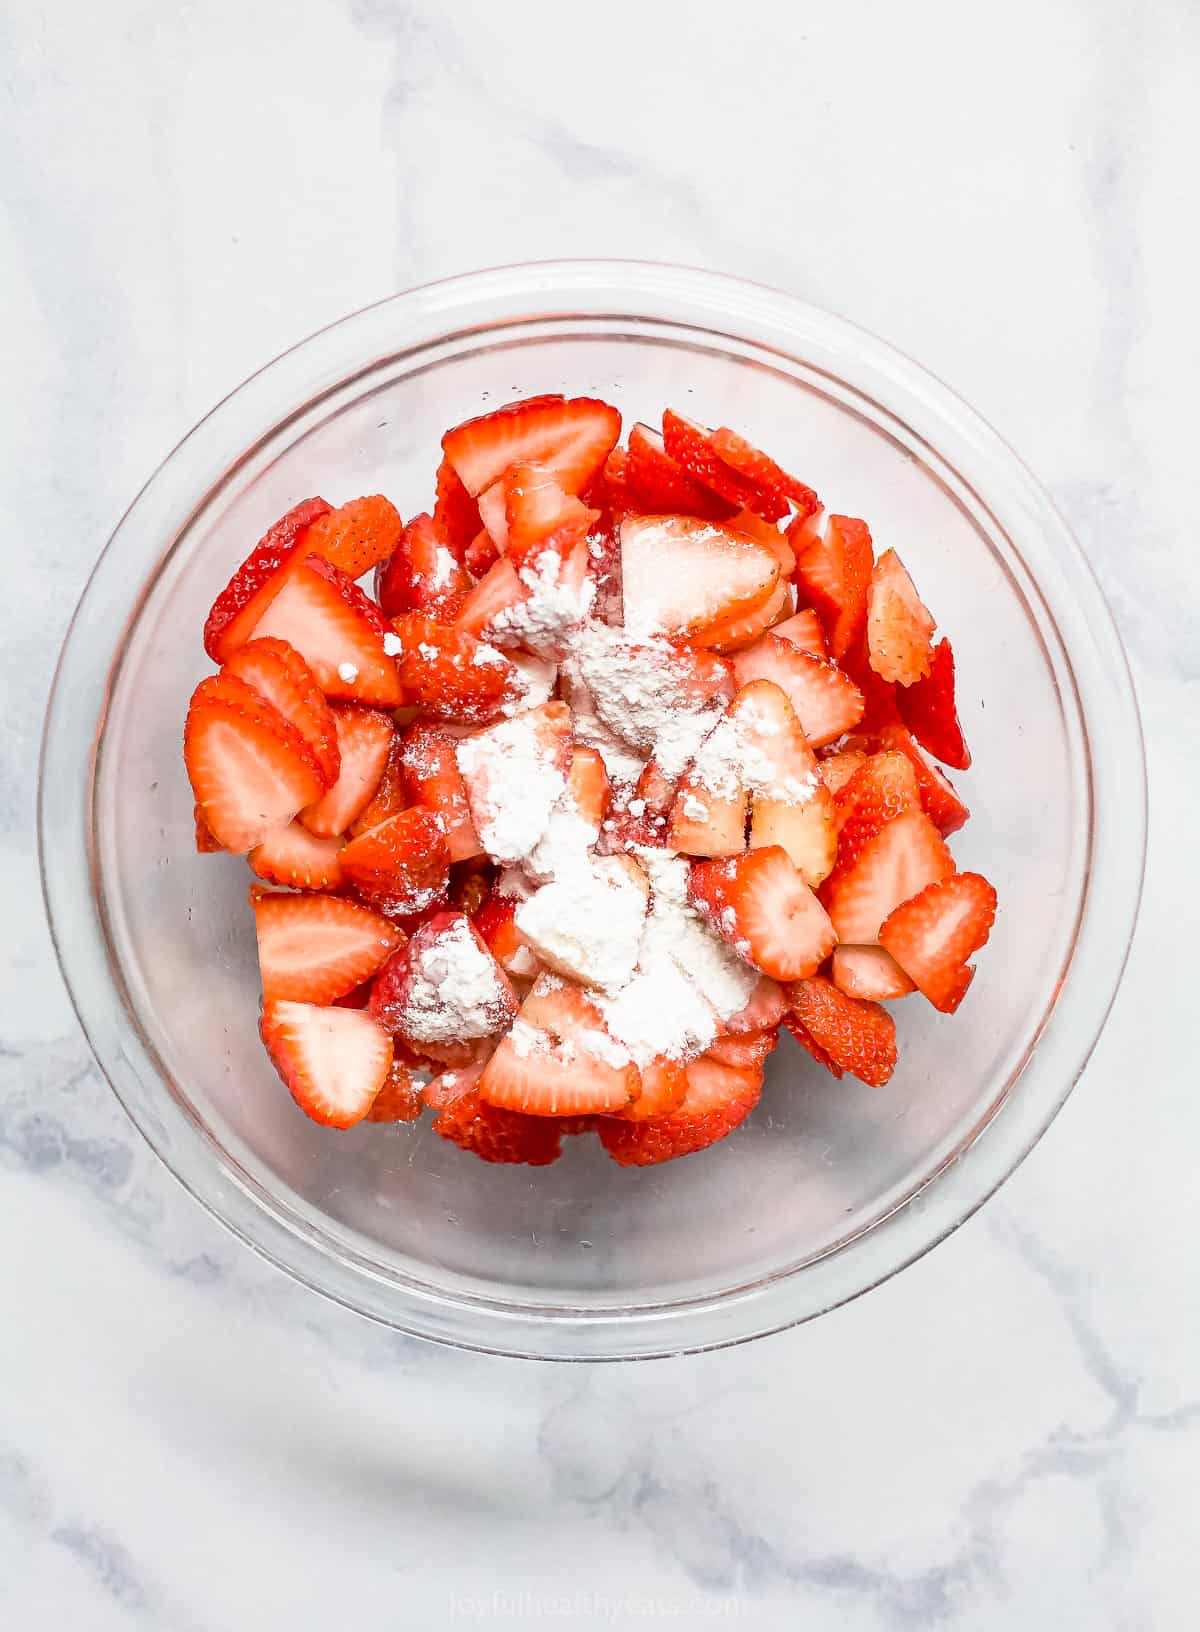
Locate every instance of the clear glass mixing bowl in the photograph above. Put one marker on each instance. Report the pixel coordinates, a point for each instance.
(831, 1186)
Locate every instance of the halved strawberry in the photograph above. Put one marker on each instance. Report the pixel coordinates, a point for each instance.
(481, 554)
(278, 673)
(315, 948)
(446, 672)
(400, 1099)
(882, 787)
(899, 624)
(334, 1061)
(391, 792)
(495, 922)
(681, 575)
(444, 986)
(857, 1037)
(762, 907)
(364, 737)
(497, 1135)
(790, 804)
(733, 634)
(837, 769)
(868, 972)
(433, 779)
(250, 770)
(804, 631)
(895, 865)
(558, 1059)
(455, 513)
(240, 605)
(827, 704)
(764, 1010)
(336, 630)
(833, 572)
(422, 574)
(530, 752)
(718, 1098)
(711, 804)
(938, 799)
(402, 865)
(541, 514)
(932, 936)
(691, 445)
(660, 486)
(928, 710)
(571, 438)
(296, 858)
(763, 473)
(498, 589)
(664, 1088)
(357, 535)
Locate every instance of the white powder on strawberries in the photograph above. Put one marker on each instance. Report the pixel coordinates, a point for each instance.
(643, 691)
(512, 786)
(348, 672)
(735, 756)
(550, 612)
(620, 761)
(392, 645)
(443, 567)
(536, 678)
(587, 922)
(454, 990)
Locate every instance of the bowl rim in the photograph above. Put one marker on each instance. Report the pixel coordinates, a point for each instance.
(733, 309)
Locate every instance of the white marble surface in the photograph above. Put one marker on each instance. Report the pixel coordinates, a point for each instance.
(1008, 1434)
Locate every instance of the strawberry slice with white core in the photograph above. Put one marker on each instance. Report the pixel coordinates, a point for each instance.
(587, 923)
(664, 1087)
(444, 986)
(316, 948)
(883, 787)
(733, 635)
(559, 1059)
(833, 573)
(334, 1061)
(250, 770)
(804, 632)
(790, 804)
(898, 863)
(680, 575)
(541, 514)
(337, 632)
(493, 513)
(575, 822)
(569, 438)
(708, 816)
(433, 779)
(938, 799)
(933, 935)
(899, 624)
(515, 773)
(296, 858)
(826, 701)
(499, 590)
(241, 604)
(837, 769)
(762, 907)
(869, 973)
(364, 739)
(278, 673)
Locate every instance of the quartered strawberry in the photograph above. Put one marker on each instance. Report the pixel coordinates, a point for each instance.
(535, 749)
(481, 554)
(681, 576)
(882, 787)
(789, 804)
(391, 791)
(571, 438)
(763, 473)
(664, 1088)
(433, 779)
(401, 866)
(297, 859)
(278, 673)
(455, 513)
(833, 573)
(400, 1099)
(691, 446)
(446, 672)
(206, 845)
(659, 486)
(250, 770)
(899, 624)
(837, 768)
(541, 514)
(928, 710)
(761, 906)
(938, 799)
(764, 1011)
(558, 1059)
(240, 605)
(497, 590)
(827, 704)
(855, 1036)
(804, 631)
(718, 1098)
(733, 634)
(904, 857)
(932, 936)
(315, 948)
(335, 1061)
(497, 1135)
(357, 535)
(422, 574)
(444, 986)
(336, 629)
(750, 1049)
(868, 972)
(365, 738)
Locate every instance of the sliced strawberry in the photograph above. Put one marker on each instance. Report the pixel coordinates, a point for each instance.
(680, 575)
(588, 789)
(790, 804)
(495, 922)
(664, 1088)
(762, 907)
(497, 1135)
(433, 779)
(932, 936)
(691, 446)
(334, 1061)
(572, 439)
(804, 631)
(609, 490)
(240, 605)
(765, 532)
(833, 573)
(708, 815)
(471, 883)
(750, 1050)
(443, 987)
(857, 1037)
(883, 787)
(455, 513)
(315, 948)
(450, 674)
(337, 632)
(402, 865)
(733, 634)
(827, 704)
(868, 972)
(938, 799)
(604, 568)
(364, 737)
(423, 574)
(530, 753)
(540, 514)
(493, 513)
(718, 1098)
(357, 535)
(206, 845)
(250, 770)
(296, 858)
(928, 710)
(558, 1059)
(899, 625)
(655, 791)
(453, 1083)
(908, 854)
(278, 673)
(880, 697)
(400, 1099)
(391, 791)
(763, 1012)
(481, 554)
(660, 486)
(749, 462)
(496, 591)
(837, 769)
(807, 1041)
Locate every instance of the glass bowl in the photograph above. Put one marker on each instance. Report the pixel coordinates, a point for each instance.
(831, 1186)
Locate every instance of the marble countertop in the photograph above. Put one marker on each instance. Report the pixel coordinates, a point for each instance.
(1009, 1433)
